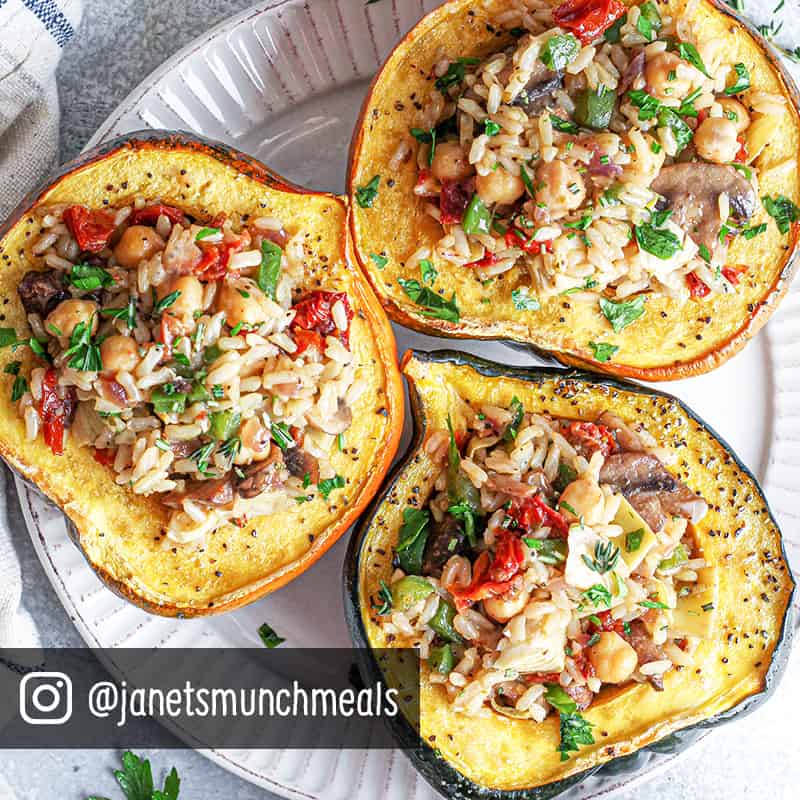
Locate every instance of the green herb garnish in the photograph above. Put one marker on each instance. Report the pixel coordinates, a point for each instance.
(269, 270)
(269, 637)
(624, 313)
(434, 304)
(329, 484)
(365, 195)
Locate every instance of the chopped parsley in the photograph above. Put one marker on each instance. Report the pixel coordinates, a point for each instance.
(491, 128)
(782, 210)
(549, 551)
(523, 301)
(742, 82)
(574, 729)
(329, 484)
(127, 313)
(281, 435)
(379, 260)
(427, 271)
(269, 270)
(83, 354)
(633, 540)
(649, 22)
(597, 595)
(622, 314)
(602, 351)
(688, 52)
(269, 638)
(563, 125)
(660, 242)
(365, 195)
(385, 596)
(652, 604)
(455, 73)
(756, 230)
(434, 304)
(204, 233)
(19, 388)
(517, 413)
(559, 50)
(88, 278)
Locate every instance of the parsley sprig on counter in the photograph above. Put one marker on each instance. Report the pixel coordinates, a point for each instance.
(136, 781)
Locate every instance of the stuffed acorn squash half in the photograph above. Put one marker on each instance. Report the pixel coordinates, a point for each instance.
(192, 370)
(611, 184)
(584, 566)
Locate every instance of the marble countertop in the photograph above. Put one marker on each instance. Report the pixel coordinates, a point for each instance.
(119, 42)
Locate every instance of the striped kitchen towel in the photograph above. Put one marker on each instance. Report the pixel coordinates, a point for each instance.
(32, 34)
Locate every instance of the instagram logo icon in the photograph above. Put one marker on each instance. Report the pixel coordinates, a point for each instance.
(45, 698)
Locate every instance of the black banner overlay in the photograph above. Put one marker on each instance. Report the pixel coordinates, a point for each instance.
(221, 698)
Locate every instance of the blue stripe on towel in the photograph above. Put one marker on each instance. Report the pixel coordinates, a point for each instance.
(52, 18)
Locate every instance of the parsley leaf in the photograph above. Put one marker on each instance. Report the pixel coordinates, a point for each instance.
(427, 271)
(127, 313)
(597, 595)
(491, 128)
(633, 540)
(136, 780)
(455, 73)
(523, 301)
(648, 105)
(329, 484)
(652, 604)
(434, 304)
(603, 351)
(365, 195)
(559, 699)
(517, 413)
(742, 82)
(269, 271)
(563, 125)
(379, 260)
(165, 302)
(19, 388)
(281, 435)
(268, 636)
(620, 315)
(659, 242)
(667, 118)
(88, 278)
(782, 210)
(385, 595)
(558, 51)
(575, 731)
(83, 354)
(688, 52)
(549, 551)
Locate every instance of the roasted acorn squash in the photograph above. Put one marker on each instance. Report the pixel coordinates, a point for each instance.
(498, 757)
(672, 340)
(121, 534)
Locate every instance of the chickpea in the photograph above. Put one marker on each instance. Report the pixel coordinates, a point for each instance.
(716, 141)
(137, 243)
(613, 659)
(242, 301)
(664, 77)
(256, 439)
(119, 354)
(504, 607)
(733, 110)
(586, 499)
(499, 187)
(186, 303)
(560, 187)
(64, 318)
(450, 163)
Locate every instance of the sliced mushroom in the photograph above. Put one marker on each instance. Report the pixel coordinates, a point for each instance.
(692, 191)
(300, 463)
(334, 425)
(262, 475)
(538, 90)
(216, 492)
(41, 292)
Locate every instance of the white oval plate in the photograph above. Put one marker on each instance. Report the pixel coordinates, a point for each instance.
(284, 81)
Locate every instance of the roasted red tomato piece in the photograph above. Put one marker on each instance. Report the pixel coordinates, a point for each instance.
(314, 313)
(92, 230)
(149, 214)
(588, 19)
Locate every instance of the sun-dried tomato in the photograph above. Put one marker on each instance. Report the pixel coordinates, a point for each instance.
(697, 288)
(149, 214)
(588, 19)
(105, 456)
(734, 273)
(481, 587)
(53, 411)
(454, 199)
(591, 436)
(516, 238)
(91, 229)
(742, 155)
(509, 556)
(314, 314)
(532, 512)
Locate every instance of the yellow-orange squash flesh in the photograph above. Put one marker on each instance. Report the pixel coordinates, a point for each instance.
(121, 534)
(670, 341)
(738, 537)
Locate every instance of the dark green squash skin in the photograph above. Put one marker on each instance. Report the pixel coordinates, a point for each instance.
(433, 767)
